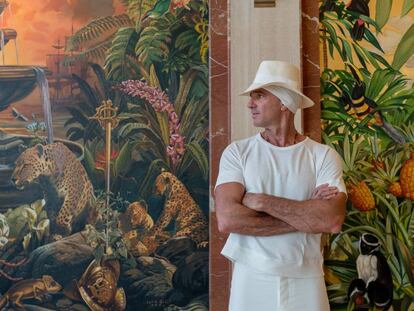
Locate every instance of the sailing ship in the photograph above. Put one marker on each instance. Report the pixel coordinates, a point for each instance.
(63, 88)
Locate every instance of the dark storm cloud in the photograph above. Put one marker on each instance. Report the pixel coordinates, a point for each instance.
(81, 10)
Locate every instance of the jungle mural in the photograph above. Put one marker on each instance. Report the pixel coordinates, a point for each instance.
(104, 155)
(367, 103)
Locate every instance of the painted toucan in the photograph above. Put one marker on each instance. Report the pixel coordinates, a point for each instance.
(359, 105)
(361, 8)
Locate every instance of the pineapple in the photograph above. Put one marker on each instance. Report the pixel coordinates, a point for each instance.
(395, 189)
(384, 177)
(354, 152)
(407, 171)
(361, 196)
(407, 178)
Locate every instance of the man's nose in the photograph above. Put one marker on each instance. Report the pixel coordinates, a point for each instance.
(251, 103)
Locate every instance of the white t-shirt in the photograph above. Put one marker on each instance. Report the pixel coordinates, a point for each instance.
(291, 172)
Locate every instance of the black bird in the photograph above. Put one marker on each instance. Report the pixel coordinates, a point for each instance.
(360, 7)
(359, 105)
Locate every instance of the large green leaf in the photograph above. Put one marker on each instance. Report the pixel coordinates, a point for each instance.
(123, 161)
(79, 116)
(193, 115)
(382, 12)
(162, 118)
(117, 62)
(75, 133)
(199, 156)
(92, 99)
(97, 28)
(137, 8)
(135, 128)
(370, 37)
(153, 44)
(407, 6)
(405, 49)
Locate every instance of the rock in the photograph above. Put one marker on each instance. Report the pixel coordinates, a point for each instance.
(194, 305)
(130, 276)
(64, 260)
(150, 293)
(63, 303)
(32, 308)
(176, 249)
(152, 265)
(79, 307)
(191, 276)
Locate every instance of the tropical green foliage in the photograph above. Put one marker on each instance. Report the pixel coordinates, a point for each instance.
(336, 32)
(81, 124)
(164, 47)
(366, 137)
(96, 37)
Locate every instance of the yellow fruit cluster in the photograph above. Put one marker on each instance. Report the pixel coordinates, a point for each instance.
(395, 189)
(407, 178)
(361, 196)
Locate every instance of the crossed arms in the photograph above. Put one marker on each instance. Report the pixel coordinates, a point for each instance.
(265, 215)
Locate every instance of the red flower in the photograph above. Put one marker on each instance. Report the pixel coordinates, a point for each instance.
(100, 159)
(179, 4)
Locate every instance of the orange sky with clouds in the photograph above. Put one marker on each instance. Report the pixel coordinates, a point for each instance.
(41, 23)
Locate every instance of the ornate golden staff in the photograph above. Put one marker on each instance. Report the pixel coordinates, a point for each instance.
(106, 116)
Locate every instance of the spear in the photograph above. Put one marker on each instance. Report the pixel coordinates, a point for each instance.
(106, 116)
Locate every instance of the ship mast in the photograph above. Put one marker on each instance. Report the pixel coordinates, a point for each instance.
(58, 47)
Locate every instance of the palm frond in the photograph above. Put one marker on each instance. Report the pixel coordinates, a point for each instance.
(96, 29)
(153, 44)
(120, 62)
(137, 8)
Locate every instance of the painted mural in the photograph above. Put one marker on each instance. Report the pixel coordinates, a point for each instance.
(367, 103)
(104, 155)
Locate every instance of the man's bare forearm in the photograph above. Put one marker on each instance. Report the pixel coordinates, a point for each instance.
(234, 217)
(313, 216)
(248, 222)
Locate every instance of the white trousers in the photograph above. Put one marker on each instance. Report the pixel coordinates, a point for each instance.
(252, 290)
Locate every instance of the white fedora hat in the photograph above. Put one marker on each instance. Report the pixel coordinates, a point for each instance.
(274, 72)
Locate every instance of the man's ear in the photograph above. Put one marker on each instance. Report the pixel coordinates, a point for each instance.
(283, 108)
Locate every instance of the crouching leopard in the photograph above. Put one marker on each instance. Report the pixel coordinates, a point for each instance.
(181, 208)
(62, 177)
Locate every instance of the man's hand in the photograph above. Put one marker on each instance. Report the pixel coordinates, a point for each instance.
(324, 192)
(255, 201)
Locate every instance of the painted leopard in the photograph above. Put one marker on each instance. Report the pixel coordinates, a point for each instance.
(61, 176)
(181, 208)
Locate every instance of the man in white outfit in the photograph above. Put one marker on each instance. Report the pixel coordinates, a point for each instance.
(275, 194)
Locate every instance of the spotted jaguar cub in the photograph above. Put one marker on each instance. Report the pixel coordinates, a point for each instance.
(181, 208)
(62, 177)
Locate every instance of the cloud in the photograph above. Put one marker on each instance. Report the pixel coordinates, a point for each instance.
(84, 9)
(81, 10)
(42, 23)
